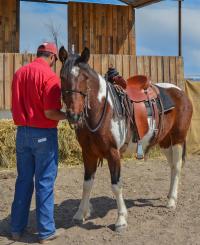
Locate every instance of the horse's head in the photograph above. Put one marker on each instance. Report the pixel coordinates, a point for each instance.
(74, 82)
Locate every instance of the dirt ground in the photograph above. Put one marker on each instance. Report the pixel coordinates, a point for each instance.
(145, 189)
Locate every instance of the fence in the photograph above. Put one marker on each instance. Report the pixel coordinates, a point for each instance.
(158, 68)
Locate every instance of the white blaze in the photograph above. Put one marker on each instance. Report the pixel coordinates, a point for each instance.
(75, 71)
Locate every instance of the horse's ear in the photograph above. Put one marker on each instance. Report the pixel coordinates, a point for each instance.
(85, 55)
(63, 54)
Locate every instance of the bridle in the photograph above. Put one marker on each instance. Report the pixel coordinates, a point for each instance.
(70, 91)
(83, 116)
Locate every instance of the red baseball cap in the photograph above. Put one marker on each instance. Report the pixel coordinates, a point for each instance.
(48, 47)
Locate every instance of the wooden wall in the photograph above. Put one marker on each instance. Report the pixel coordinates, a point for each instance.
(105, 29)
(9, 26)
(159, 69)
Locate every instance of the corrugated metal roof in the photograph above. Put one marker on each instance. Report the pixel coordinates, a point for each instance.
(134, 3)
(140, 3)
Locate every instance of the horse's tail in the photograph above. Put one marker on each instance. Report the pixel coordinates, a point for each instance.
(184, 153)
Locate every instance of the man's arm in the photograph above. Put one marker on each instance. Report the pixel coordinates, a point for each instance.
(55, 115)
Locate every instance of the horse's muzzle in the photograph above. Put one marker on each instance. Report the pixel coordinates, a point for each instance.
(72, 117)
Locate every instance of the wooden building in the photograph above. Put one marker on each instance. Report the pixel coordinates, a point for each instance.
(104, 28)
(9, 26)
(108, 30)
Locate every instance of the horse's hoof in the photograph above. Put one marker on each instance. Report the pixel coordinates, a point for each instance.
(78, 221)
(78, 218)
(120, 228)
(171, 204)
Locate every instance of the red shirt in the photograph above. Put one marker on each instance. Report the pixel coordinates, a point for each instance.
(35, 88)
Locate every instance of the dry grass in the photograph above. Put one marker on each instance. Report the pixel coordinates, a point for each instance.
(69, 150)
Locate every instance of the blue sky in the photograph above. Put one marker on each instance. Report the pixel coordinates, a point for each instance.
(156, 29)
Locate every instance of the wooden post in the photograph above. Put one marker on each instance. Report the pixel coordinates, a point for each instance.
(179, 27)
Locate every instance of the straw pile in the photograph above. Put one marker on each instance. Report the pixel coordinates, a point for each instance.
(69, 150)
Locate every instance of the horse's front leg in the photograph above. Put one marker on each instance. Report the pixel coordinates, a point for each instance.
(174, 157)
(85, 208)
(115, 168)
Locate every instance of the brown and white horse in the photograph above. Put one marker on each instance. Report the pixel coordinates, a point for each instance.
(89, 106)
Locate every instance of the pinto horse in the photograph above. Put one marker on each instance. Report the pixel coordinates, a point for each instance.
(102, 135)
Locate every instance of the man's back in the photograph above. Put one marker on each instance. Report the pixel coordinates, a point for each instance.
(35, 88)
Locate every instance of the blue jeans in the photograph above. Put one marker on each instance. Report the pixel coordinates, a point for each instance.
(37, 156)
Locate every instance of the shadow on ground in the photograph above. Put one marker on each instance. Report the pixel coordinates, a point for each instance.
(65, 211)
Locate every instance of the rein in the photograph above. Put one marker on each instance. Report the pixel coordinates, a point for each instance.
(70, 91)
(84, 114)
(102, 115)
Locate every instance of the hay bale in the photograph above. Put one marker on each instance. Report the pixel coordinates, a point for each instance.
(69, 149)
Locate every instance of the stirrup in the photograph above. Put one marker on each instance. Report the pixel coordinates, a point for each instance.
(139, 152)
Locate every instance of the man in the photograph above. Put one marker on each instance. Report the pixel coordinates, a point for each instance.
(36, 104)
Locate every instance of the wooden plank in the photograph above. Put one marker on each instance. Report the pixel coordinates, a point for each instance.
(2, 92)
(160, 69)
(172, 68)
(120, 29)
(110, 29)
(98, 29)
(111, 60)
(154, 66)
(180, 72)
(104, 63)
(97, 63)
(8, 79)
(18, 61)
(125, 66)
(115, 37)
(131, 31)
(95, 28)
(125, 39)
(70, 28)
(91, 28)
(118, 63)
(166, 68)
(86, 31)
(104, 29)
(147, 62)
(140, 65)
(80, 27)
(133, 65)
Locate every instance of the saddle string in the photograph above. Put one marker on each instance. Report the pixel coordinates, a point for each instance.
(161, 116)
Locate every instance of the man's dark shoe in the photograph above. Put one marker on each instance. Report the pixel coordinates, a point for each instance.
(57, 234)
(16, 236)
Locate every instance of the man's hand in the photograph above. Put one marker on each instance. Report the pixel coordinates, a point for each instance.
(55, 115)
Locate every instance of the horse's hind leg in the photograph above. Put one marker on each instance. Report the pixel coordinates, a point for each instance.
(85, 208)
(115, 168)
(174, 157)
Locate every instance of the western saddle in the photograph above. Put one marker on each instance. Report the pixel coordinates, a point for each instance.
(144, 95)
(146, 102)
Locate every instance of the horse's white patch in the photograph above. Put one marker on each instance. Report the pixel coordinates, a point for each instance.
(84, 207)
(75, 71)
(102, 91)
(174, 157)
(167, 85)
(148, 136)
(119, 131)
(122, 211)
(118, 126)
